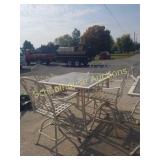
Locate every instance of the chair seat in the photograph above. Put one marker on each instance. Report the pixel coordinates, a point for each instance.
(59, 107)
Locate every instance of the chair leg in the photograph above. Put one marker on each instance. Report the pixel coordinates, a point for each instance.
(100, 112)
(72, 126)
(41, 128)
(115, 125)
(56, 147)
(95, 112)
(69, 139)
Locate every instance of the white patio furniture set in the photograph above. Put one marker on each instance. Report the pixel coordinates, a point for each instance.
(85, 89)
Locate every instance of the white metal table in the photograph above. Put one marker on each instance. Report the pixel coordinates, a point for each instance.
(81, 82)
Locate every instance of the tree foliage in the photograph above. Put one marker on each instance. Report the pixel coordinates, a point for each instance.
(98, 39)
(125, 43)
(136, 46)
(49, 48)
(27, 45)
(94, 40)
(65, 40)
(75, 37)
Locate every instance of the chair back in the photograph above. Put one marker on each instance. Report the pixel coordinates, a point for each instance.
(121, 90)
(134, 70)
(38, 94)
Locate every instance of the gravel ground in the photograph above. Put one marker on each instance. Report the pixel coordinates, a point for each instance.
(96, 144)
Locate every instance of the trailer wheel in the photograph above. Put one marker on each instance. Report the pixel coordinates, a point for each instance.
(69, 63)
(28, 63)
(77, 63)
(73, 63)
(47, 62)
(85, 63)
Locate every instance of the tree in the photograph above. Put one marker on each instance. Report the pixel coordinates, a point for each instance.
(65, 40)
(136, 46)
(98, 39)
(76, 37)
(49, 48)
(27, 45)
(125, 43)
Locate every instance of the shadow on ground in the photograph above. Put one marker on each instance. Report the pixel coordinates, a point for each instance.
(103, 142)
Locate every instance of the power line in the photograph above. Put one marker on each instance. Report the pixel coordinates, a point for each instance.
(112, 15)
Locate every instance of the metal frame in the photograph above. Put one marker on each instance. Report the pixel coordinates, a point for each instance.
(131, 91)
(53, 109)
(110, 104)
(82, 95)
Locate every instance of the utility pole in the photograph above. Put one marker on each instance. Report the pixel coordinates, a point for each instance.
(134, 41)
(134, 38)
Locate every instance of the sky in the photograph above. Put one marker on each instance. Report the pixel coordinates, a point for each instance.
(42, 23)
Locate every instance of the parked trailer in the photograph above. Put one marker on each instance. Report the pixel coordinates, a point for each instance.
(72, 57)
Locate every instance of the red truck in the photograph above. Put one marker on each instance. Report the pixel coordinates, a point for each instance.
(39, 57)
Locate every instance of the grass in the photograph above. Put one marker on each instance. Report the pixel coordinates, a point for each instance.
(118, 55)
(121, 55)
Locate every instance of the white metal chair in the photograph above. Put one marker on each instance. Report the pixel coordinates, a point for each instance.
(109, 94)
(131, 115)
(105, 103)
(134, 71)
(55, 109)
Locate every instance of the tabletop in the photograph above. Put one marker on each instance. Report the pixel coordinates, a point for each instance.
(77, 79)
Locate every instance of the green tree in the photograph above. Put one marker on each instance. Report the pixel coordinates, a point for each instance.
(49, 48)
(125, 43)
(76, 37)
(136, 46)
(65, 40)
(27, 45)
(98, 39)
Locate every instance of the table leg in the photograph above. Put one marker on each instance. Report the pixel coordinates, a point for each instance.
(78, 101)
(83, 109)
(107, 83)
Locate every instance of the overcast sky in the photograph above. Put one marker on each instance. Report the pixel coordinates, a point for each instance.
(43, 23)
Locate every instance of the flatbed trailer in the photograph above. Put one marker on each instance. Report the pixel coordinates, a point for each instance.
(72, 60)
